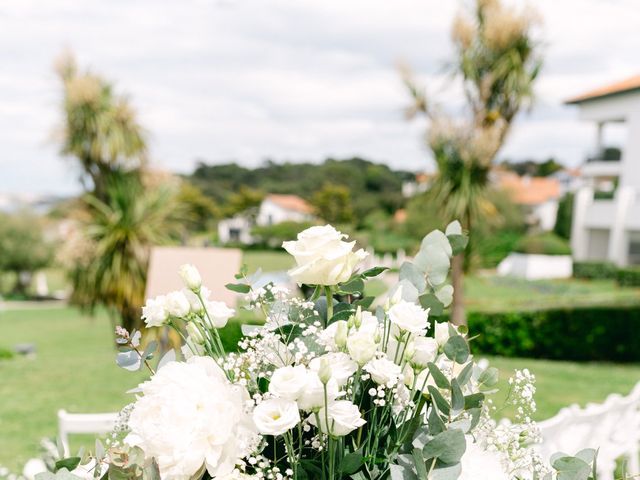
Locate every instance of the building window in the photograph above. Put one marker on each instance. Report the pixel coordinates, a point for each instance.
(634, 248)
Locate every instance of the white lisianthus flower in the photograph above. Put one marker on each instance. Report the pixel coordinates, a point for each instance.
(322, 257)
(342, 367)
(172, 420)
(425, 350)
(194, 302)
(276, 416)
(383, 371)
(219, 313)
(312, 397)
(441, 332)
(409, 317)
(191, 277)
(480, 464)
(343, 418)
(177, 304)
(368, 322)
(362, 346)
(155, 312)
(288, 382)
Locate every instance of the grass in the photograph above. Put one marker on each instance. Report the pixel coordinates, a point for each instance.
(75, 369)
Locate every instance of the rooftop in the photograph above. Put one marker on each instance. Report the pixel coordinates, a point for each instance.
(290, 202)
(528, 190)
(624, 86)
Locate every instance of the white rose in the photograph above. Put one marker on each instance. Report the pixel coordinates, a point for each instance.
(342, 367)
(312, 397)
(409, 317)
(276, 416)
(191, 277)
(219, 313)
(383, 371)
(425, 350)
(154, 312)
(177, 304)
(322, 257)
(362, 347)
(342, 416)
(288, 382)
(441, 332)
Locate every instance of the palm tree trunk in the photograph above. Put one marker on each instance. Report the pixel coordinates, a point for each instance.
(458, 316)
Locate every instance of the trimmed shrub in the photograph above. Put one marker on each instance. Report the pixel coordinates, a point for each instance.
(582, 334)
(628, 277)
(5, 354)
(543, 244)
(594, 270)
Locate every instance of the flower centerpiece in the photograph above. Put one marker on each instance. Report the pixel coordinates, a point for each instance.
(333, 386)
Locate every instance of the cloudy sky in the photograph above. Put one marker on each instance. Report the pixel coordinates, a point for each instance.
(246, 80)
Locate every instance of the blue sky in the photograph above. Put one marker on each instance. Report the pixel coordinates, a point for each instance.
(247, 80)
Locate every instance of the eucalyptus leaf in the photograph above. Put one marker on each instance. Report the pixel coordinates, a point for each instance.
(437, 238)
(457, 349)
(454, 228)
(445, 294)
(374, 272)
(434, 262)
(572, 468)
(448, 446)
(438, 377)
(129, 360)
(458, 243)
(411, 273)
(430, 301)
(439, 400)
(457, 397)
(238, 287)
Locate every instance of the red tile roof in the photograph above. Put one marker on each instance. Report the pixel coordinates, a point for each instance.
(627, 85)
(290, 202)
(529, 190)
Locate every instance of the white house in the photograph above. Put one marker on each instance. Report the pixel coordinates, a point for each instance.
(606, 215)
(274, 209)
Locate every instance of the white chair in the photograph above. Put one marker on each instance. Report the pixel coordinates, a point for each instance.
(70, 423)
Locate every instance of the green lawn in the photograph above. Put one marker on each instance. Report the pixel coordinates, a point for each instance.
(75, 370)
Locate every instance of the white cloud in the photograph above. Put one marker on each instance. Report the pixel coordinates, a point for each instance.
(285, 79)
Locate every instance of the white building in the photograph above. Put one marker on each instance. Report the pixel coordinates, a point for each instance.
(274, 209)
(606, 215)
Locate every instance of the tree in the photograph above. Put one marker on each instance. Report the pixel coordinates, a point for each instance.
(564, 217)
(333, 204)
(23, 249)
(497, 60)
(120, 232)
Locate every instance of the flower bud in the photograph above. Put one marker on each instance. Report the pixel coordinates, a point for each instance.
(409, 351)
(194, 334)
(342, 329)
(324, 372)
(357, 319)
(191, 277)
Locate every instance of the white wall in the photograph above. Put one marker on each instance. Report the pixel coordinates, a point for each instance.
(272, 213)
(546, 214)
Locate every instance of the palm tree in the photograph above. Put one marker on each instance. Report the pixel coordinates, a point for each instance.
(497, 60)
(120, 232)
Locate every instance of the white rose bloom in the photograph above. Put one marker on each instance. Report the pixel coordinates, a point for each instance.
(441, 332)
(383, 371)
(342, 367)
(409, 317)
(480, 464)
(343, 418)
(425, 350)
(276, 416)
(322, 257)
(177, 304)
(154, 312)
(312, 397)
(362, 347)
(288, 382)
(190, 277)
(219, 313)
(172, 420)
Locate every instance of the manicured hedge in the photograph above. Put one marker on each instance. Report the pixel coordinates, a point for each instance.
(586, 334)
(594, 270)
(628, 277)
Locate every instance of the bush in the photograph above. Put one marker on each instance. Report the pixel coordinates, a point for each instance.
(5, 354)
(594, 270)
(582, 334)
(628, 277)
(543, 244)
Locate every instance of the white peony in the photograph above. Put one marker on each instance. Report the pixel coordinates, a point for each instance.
(424, 350)
(191, 277)
(312, 397)
(342, 416)
(342, 367)
(276, 416)
(288, 382)
(177, 304)
(322, 257)
(409, 317)
(154, 312)
(219, 313)
(383, 371)
(190, 415)
(480, 464)
(362, 346)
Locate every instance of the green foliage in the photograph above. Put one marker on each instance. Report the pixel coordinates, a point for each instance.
(6, 354)
(594, 270)
(203, 210)
(244, 200)
(333, 203)
(23, 249)
(533, 168)
(628, 277)
(583, 334)
(272, 236)
(564, 218)
(543, 244)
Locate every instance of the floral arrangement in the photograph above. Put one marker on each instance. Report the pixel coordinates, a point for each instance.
(329, 387)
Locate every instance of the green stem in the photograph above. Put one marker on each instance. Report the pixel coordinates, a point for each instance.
(329, 296)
